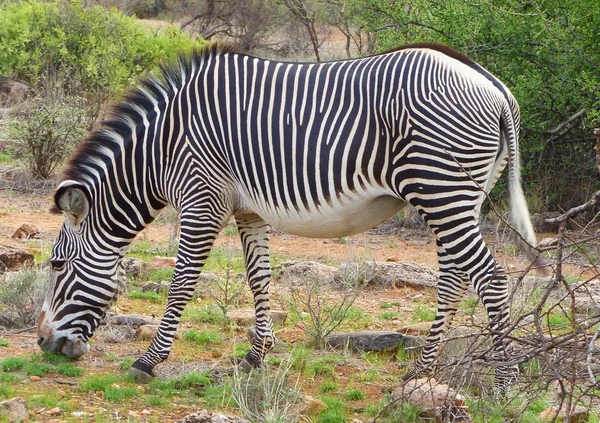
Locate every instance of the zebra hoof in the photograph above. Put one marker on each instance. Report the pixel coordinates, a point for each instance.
(141, 373)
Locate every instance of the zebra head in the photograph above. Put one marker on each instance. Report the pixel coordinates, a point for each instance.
(84, 276)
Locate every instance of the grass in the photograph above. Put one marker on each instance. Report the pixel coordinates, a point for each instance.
(69, 369)
(354, 395)
(424, 313)
(202, 337)
(150, 296)
(11, 364)
(4, 343)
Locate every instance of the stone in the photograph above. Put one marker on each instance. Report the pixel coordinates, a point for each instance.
(159, 262)
(133, 267)
(147, 331)
(130, 319)
(13, 259)
(548, 242)
(157, 287)
(309, 407)
(578, 414)
(434, 399)
(422, 328)
(247, 316)
(398, 274)
(372, 341)
(13, 92)
(210, 417)
(54, 411)
(25, 232)
(289, 272)
(15, 409)
(35, 378)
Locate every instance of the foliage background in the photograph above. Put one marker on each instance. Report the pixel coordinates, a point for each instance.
(545, 51)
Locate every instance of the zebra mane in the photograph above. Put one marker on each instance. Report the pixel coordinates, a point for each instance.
(136, 102)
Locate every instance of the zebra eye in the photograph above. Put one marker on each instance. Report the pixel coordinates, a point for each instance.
(58, 265)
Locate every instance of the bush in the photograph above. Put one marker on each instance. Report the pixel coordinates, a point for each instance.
(22, 295)
(45, 133)
(98, 51)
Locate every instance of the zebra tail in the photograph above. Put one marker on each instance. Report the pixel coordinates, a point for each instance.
(519, 211)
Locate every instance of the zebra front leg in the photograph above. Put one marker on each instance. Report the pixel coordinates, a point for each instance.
(255, 242)
(452, 285)
(199, 228)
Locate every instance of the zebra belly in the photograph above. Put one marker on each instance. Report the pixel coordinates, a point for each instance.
(335, 221)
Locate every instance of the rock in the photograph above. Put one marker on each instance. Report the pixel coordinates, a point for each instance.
(13, 92)
(309, 407)
(14, 259)
(159, 262)
(372, 341)
(548, 242)
(147, 331)
(130, 319)
(386, 274)
(434, 399)
(35, 378)
(151, 287)
(15, 409)
(554, 414)
(25, 232)
(247, 317)
(291, 271)
(54, 411)
(422, 328)
(209, 417)
(163, 286)
(133, 267)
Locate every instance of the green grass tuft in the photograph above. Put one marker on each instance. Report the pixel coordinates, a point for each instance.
(69, 369)
(4, 343)
(355, 395)
(38, 369)
(203, 337)
(11, 364)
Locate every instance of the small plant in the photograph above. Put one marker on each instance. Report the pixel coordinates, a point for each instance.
(328, 386)
(151, 296)
(126, 363)
(265, 396)
(69, 369)
(47, 132)
(22, 294)
(230, 230)
(201, 338)
(355, 395)
(387, 315)
(335, 412)
(424, 313)
(38, 369)
(316, 312)
(226, 289)
(4, 343)
(9, 378)
(11, 364)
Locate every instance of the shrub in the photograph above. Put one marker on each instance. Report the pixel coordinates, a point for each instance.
(22, 295)
(46, 132)
(266, 396)
(98, 51)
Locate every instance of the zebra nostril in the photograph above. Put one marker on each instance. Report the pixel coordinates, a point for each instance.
(40, 340)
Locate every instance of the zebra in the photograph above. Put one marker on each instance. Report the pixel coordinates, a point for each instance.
(315, 149)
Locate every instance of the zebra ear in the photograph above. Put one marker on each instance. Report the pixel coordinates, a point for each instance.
(72, 199)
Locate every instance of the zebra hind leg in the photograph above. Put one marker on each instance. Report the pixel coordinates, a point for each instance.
(452, 285)
(255, 242)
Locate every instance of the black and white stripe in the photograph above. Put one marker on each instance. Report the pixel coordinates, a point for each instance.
(321, 150)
